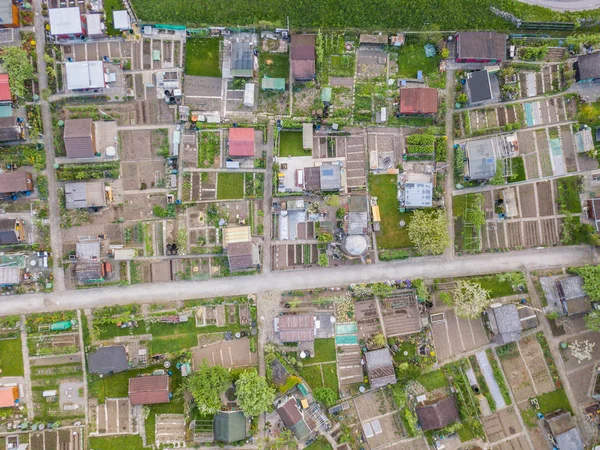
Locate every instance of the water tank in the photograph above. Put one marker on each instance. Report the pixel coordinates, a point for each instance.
(111, 151)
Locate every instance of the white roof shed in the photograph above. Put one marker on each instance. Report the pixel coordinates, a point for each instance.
(94, 24)
(121, 20)
(85, 75)
(65, 21)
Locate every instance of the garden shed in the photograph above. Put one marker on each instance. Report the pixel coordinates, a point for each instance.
(437, 413)
(380, 368)
(479, 88)
(418, 101)
(273, 84)
(229, 426)
(307, 136)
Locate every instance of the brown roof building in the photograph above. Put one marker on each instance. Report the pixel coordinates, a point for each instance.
(10, 130)
(438, 413)
(303, 57)
(14, 182)
(418, 101)
(79, 138)
(239, 255)
(295, 327)
(373, 39)
(12, 231)
(480, 47)
(149, 390)
(293, 420)
(380, 368)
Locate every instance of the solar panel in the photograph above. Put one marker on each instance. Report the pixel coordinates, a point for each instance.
(328, 172)
(368, 430)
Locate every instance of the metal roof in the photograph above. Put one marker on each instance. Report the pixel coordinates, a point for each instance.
(232, 235)
(88, 250)
(148, 390)
(307, 136)
(82, 194)
(380, 367)
(94, 24)
(84, 75)
(481, 155)
(229, 426)
(418, 195)
(6, 12)
(5, 95)
(121, 20)
(331, 178)
(505, 323)
(242, 59)
(10, 275)
(479, 87)
(276, 84)
(481, 45)
(241, 142)
(65, 21)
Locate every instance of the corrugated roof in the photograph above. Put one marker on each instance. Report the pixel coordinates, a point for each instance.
(107, 360)
(121, 20)
(94, 24)
(437, 414)
(78, 138)
(380, 39)
(481, 45)
(312, 178)
(293, 420)
(8, 395)
(84, 75)
(418, 195)
(505, 323)
(8, 234)
(65, 21)
(6, 13)
(241, 142)
(148, 390)
(82, 194)
(375, 213)
(307, 136)
(9, 129)
(303, 47)
(231, 235)
(380, 367)
(296, 322)
(86, 272)
(241, 59)
(303, 70)
(481, 155)
(11, 182)
(5, 95)
(239, 255)
(418, 101)
(569, 440)
(331, 177)
(10, 275)
(87, 250)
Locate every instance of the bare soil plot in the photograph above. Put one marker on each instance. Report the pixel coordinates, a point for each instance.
(305, 101)
(170, 429)
(580, 381)
(400, 314)
(228, 354)
(367, 318)
(349, 367)
(566, 136)
(454, 335)
(370, 63)
(139, 206)
(532, 354)
(531, 236)
(374, 403)
(502, 424)
(571, 363)
(544, 152)
(514, 234)
(518, 378)
(531, 166)
(586, 163)
(527, 200)
(545, 198)
(392, 431)
(518, 443)
(416, 444)
(141, 145)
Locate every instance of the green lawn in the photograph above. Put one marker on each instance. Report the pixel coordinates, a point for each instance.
(173, 344)
(496, 287)
(411, 58)
(274, 65)
(312, 376)
(391, 235)
(110, 330)
(11, 357)
(230, 186)
(568, 194)
(330, 377)
(324, 350)
(290, 144)
(202, 57)
(433, 380)
(116, 385)
(133, 442)
(518, 170)
(551, 401)
(408, 347)
(319, 444)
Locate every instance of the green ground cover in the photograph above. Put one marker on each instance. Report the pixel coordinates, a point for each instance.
(389, 14)
(391, 235)
(290, 144)
(133, 442)
(551, 401)
(11, 357)
(230, 186)
(274, 65)
(319, 444)
(433, 380)
(411, 59)
(408, 347)
(110, 330)
(173, 344)
(312, 376)
(109, 7)
(518, 170)
(209, 148)
(496, 285)
(201, 55)
(568, 194)
(330, 377)
(324, 350)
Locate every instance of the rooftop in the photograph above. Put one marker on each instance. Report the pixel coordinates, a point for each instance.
(84, 74)
(479, 86)
(418, 101)
(11, 182)
(5, 95)
(303, 56)
(8, 233)
(438, 413)
(65, 21)
(242, 60)
(107, 360)
(505, 323)
(481, 155)
(88, 250)
(9, 129)
(148, 390)
(85, 194)
(240, 256)
(94, 24)
(380, 39)
(296, 327)
(380, 368)
(241, 142)
(588, 66)
(10, 275)
(8, 395)
(87, 272)
(229, 426)
(121, 20)
(481, 45)
(330, 177)
(418, 195)
(235, 234)
(293, 420)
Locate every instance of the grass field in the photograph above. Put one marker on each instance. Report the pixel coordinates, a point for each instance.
(568, 194)
(116, 385)
(312, 376)
(496, 287)
(319, 444)
(11, 357)
(133, 442)
(230, 186)
(433, 380)
(330, 377)
(411, 59)
(518, 170)
(324, 350)
(391, 235)
(109, 7)
(290, 144)
(407, 347)
(202, 57)
(110, 330)
(551, 401)
(274, 65)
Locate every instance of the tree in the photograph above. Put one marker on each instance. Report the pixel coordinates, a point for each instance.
(254, 395)
(592, 321)
(469, 299)
(406, 372)
(19, 68)
(324, 237)
(428, 231)
(325, 396)
(206, 385)
(591, 280)
(445, 53)
(340, 213)
(379, 340)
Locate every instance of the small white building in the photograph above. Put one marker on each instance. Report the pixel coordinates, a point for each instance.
(65, 22)
(84, 75)
(249, 95)
(121, 20)
(94, 25)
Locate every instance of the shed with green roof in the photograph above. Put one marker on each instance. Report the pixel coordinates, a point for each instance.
(229, 426)
(273, 84)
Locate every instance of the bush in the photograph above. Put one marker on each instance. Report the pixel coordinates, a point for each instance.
(420, 139)
(390, 255)
(325, 396)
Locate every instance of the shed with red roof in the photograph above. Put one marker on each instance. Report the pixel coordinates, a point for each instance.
(418, 101)
(8, 396)
(241, 142)
(149, 390)
(5, 95)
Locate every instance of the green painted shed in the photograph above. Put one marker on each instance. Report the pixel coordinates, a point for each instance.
(273, 84)
(229, 426)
